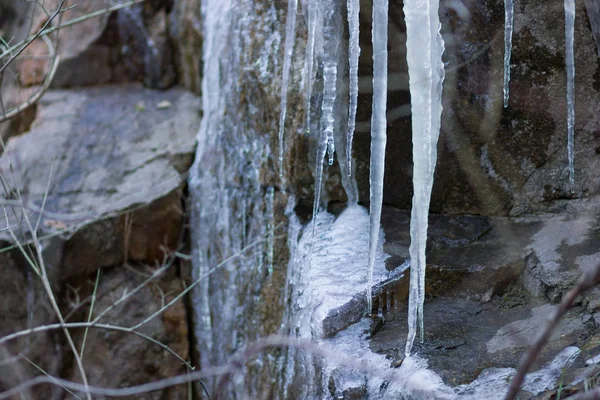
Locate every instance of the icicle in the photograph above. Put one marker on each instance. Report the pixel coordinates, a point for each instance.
(508, 31)
(329, 93)
(378, 132)
(325, 142)
(290, 38)
(354, 53)
(570, 59)
(424, 47)
(270, 217)
(380, 306)
(310, 56)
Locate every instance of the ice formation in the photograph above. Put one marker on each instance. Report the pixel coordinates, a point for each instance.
(508, 32)
(290, 39)
(270, 222)
(353, 7)
(378, 132)
(570, 60)
(313, 21)
(424, 47)
(325, 145)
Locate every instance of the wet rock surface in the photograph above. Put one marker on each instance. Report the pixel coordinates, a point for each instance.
(486, 296)
(488, 291)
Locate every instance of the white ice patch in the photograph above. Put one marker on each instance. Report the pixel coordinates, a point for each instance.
(328, 266)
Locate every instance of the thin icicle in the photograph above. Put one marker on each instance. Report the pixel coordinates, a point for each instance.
(325, 142)
(329, 94)
(424, 48)
(290, 38)
(570, 60)
(378, 133)
(354, 53)
(508, 32)
(313, 16)
(270, 220)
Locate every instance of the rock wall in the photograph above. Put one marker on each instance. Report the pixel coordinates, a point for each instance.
(97, 168)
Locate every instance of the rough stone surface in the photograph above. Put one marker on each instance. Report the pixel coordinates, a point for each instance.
(118, 359)
(186, 33)
(101, 174)
(110, 176)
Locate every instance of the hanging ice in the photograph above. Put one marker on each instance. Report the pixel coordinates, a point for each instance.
(329, 93)
(508, 31)
(378, 132)
(310, 55)
(270, 222)
(570, 60)
(290, 38)
(424, 49)
(325, 143)
(354, 53)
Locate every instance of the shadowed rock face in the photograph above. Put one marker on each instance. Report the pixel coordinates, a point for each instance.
(491, 160)
(102, 171)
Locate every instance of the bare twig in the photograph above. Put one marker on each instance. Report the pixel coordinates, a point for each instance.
(33, 99)
(91, 310)
(48, 288)
(590, 278)
(32, 38)
(68, 325)
(74, 21)
(45, 373)
(206, 275)
(124, 392)
(227, 371)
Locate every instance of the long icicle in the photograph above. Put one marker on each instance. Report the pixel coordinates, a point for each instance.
(310, 57)
(570, 60)
(325, 138)
(424, 47)
(354, 54)
(290, 38)
(378, 133)
(508, 32)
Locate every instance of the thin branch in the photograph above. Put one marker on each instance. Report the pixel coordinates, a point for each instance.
(33, 99)
(227, 371)
(124, 392)
(589, 279)
(73, 21)
(91, 311)
(35, 36)
(47, 374)
(190, 287)
(48, 288)
(69, 325)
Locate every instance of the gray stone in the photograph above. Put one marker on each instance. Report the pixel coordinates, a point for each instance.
(113, 181)
(120, 359)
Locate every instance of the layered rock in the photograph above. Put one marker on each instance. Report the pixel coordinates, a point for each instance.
(99, 177)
